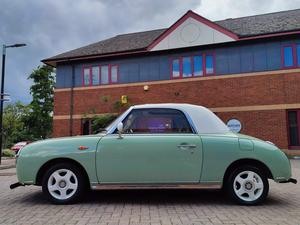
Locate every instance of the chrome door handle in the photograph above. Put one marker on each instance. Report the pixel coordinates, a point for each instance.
(184, 146)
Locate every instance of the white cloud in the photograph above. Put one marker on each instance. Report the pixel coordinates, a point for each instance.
(223, 9)
(51, 27)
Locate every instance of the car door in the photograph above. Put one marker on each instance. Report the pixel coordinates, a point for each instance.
(157, 146)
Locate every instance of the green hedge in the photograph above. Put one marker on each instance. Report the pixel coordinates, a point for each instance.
(8, 153)
(100, 122)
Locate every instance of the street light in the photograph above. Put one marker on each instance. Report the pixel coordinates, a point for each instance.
(4, 47)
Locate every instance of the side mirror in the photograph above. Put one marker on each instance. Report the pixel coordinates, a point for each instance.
(120, 129)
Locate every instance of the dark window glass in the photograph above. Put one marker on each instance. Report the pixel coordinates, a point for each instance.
(156, 121)
(288, 56)
(86, 77)
(95, 75)
(198, 66)
(298, 55)
(186, 67)
(175, 68)
(114, 74)
(104, 75)
(209, 64)
(293, 128)
(86, 127)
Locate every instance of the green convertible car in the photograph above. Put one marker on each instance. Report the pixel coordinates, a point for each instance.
(155, 146)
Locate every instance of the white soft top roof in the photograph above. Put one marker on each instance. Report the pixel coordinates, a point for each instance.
(204, 120)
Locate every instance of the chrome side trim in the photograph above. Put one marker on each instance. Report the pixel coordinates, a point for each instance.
(155, 186)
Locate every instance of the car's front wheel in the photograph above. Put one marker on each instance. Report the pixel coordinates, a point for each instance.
(63, 183)
(248, 185)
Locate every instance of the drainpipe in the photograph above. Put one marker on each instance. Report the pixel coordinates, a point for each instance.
(72, 101)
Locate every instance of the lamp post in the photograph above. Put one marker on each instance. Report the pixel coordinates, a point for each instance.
(4, 47)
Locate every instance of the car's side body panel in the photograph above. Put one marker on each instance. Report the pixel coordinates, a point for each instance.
(219, 151)
(149, 158)
(156, 158)
(35, 155)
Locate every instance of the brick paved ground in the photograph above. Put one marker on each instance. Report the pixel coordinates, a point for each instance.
(26, 205)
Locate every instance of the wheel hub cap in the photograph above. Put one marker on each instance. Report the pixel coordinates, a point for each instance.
(248, 185)
(62, 184)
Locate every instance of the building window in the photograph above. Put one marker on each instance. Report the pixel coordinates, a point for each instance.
(209, 64)
(288, 59)
(104, 75)
(86, 77)
(298, 54)
(86, 127)
(114, 73)
(175, 68)
(95, 75)
(294, 128)
(186, 67)
(198, 66)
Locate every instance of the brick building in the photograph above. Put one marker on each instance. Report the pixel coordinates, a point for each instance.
(245, 68)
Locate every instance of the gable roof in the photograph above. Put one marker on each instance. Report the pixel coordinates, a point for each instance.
(269, 23)
(243, 27)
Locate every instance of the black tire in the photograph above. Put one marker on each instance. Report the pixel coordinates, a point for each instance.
(245, 199)
(75, 193)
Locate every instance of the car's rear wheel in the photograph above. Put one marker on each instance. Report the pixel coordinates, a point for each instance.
(248, 185)
(63, 183)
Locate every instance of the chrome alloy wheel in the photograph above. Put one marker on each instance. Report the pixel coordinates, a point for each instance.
(248, 186)
(62, 184)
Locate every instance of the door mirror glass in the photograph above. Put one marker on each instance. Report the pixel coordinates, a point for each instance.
(120, 129)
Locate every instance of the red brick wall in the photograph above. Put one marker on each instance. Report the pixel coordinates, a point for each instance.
(247, 91)
(230, 92)
(268, 125)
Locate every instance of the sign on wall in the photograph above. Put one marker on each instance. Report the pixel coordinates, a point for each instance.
(234, 125)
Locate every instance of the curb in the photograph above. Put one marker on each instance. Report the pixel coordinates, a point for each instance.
(7, 174)
(7, 167)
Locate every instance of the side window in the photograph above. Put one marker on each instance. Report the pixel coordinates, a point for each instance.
(114, 70)
(104, 75)
(288, 59)
(209, 64)
(156, 121)
(186, 67)
(198, 66)
(95, 75)
(86, 77)
(298, 54)
(175, 68)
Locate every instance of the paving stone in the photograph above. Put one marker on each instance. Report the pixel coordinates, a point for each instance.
(27, 205)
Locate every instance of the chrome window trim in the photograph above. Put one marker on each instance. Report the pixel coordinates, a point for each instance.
(124, 115)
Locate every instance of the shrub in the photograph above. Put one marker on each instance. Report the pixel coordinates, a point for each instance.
(8, 153)
(100, 122)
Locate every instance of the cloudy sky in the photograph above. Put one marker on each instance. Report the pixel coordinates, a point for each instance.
(49, 27)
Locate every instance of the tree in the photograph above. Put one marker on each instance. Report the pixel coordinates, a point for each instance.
(14, 128)
(39, 120)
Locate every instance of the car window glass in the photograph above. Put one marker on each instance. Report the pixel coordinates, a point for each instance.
(156, 121)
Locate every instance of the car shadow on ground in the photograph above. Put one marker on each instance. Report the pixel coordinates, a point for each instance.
(151, 197)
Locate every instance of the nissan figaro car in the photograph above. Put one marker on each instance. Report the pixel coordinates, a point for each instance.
(155, 146)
